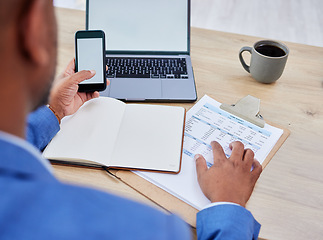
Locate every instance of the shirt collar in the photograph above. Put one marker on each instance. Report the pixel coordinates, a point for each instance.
(27, 147)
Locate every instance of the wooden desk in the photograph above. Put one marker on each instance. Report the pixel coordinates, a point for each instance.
(288, 199)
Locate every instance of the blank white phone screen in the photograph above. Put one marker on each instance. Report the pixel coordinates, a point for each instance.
(90, 57)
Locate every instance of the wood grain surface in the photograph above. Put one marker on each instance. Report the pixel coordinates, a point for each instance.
(288, 198)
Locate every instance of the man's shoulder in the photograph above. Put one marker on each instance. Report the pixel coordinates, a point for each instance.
(45, 208)
(59, 211)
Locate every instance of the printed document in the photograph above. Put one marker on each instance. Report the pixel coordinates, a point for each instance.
(206, 122)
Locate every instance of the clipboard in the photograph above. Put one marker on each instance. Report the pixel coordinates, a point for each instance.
(248, 109)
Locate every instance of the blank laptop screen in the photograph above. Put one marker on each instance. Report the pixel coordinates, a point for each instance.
(141, 25)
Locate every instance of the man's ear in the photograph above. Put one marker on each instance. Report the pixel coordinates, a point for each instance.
(33, 33)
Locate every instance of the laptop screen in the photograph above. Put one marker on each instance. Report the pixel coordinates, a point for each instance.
(141, 25)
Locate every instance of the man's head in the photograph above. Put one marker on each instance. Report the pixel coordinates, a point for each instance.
(28, 45)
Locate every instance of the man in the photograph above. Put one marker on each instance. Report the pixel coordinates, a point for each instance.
(35, 205)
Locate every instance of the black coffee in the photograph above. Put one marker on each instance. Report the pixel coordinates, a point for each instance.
(270, 50)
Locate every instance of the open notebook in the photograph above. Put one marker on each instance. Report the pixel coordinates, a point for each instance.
(108, 132)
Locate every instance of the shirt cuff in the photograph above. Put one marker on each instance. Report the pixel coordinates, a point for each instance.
(219, 203)
(42, 127)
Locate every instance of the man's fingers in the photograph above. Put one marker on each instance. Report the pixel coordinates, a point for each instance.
(96, 94)
(86, 96)
(257, 169)
(201, 166)
(82, 75)
(70, 69)
(71, 64)
(93, 95)
(237, 151)
(249, 157)
(218, 153)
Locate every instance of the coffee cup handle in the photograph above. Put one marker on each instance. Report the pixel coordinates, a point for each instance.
(245, 66)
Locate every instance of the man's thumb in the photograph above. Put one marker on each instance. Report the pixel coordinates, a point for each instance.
(82, 75)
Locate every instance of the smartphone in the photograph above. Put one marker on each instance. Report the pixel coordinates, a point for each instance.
(90, 55)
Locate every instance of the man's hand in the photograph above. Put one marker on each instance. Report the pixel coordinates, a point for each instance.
(64, 97)
(229, 179)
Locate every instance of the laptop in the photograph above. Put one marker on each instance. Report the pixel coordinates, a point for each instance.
(147, 48)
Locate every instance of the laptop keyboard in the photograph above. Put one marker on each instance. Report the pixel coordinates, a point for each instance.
(131, 67)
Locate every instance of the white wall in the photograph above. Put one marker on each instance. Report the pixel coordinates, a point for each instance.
(298, 21)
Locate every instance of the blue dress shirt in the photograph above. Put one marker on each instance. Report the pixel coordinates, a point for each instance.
(35, 205)
(42, 126)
